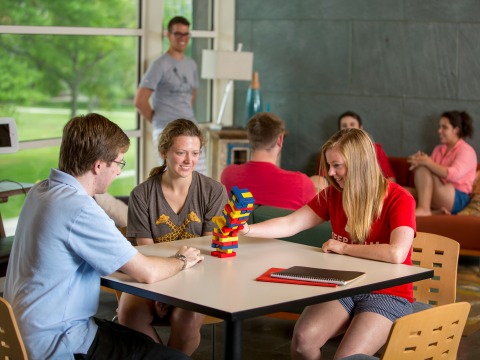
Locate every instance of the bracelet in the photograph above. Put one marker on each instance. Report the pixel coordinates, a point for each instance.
(181, 257)
(248, 229)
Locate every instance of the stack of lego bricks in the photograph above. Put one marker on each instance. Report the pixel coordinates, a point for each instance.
(235, 215)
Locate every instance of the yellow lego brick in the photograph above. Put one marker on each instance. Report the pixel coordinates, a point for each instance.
(220, 221)
(229, 251)
(228, 239)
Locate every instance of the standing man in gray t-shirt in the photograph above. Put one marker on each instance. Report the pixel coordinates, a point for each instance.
(171, 83)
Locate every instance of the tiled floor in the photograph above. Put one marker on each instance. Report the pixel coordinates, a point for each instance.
(268, 338)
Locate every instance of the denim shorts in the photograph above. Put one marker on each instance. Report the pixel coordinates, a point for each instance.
(461, 201)
(389, 306)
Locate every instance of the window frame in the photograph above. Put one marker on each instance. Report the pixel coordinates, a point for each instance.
(149, 27)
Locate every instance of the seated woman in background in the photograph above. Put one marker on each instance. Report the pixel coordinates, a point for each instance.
(174, 203)
(350, 119)
(371, 218)
(444, 181)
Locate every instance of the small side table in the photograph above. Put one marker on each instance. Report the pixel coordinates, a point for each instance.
(226, 147)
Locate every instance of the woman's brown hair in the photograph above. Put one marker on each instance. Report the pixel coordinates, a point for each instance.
(88, 138)
(174, 129)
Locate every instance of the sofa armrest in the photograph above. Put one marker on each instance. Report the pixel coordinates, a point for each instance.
(315, 236)
(462, 228)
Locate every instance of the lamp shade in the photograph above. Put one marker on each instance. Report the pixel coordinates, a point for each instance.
(229, 65)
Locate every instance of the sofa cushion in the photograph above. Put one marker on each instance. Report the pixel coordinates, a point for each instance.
(463, 229)
(473, 207)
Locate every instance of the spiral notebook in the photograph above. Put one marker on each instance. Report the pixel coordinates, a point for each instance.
(266, 277)
(303, 273)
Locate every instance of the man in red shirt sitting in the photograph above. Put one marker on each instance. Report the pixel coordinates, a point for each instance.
(269, 184)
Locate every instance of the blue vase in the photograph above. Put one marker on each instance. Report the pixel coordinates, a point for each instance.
(253, 102)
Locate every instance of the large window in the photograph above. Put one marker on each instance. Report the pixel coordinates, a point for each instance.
(64, 58)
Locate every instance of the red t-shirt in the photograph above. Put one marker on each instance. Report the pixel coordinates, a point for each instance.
(383, 162)
(269, 184)
(398, 210)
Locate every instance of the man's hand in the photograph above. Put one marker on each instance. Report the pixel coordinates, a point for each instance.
(192, 254)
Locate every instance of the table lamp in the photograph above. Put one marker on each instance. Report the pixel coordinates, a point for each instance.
(226, 65)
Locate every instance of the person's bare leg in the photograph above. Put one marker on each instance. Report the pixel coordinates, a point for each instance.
(317, 324)
(443, 196)
(185, 332)
(137, 313)
(424, 185)
(366, 334)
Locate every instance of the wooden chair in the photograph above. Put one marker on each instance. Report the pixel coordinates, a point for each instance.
(11, 343)
(440, 254)
(434, 333)
(430, 251)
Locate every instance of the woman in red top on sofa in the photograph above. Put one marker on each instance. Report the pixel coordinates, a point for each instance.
(371, 218)
(350, 119)
(444, 181)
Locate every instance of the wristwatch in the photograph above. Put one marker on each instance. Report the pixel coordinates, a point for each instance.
(183, 258)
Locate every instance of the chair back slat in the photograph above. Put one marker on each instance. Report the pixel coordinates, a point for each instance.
(440, 254)
(11, 343)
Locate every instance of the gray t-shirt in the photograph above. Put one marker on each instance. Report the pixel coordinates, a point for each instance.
(172, 82)
(150, 216)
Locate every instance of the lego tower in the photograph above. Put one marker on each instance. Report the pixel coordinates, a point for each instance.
(235, 215)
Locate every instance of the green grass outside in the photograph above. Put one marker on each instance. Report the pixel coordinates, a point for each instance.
(34, 165)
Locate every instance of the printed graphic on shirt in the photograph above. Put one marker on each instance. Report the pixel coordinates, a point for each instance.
(346, 240)
(177, 232)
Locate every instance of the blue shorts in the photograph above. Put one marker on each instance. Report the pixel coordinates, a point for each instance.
(389, 306)
(461, 201)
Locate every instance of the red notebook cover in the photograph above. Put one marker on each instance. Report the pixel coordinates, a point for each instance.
(266, 277)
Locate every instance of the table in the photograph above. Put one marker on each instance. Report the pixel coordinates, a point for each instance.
(226, 288)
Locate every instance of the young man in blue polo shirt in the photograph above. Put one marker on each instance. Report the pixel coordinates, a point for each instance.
(65, 242)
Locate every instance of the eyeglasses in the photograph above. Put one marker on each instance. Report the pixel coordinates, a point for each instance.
(121, 164)
(178, 34)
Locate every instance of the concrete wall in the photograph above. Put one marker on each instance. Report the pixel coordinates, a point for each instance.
(399, 64)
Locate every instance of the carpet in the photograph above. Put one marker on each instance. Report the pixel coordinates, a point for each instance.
(468, 289)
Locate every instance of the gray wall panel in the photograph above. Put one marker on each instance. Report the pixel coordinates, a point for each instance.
(443, 10)
(469, 62)
(400, 64)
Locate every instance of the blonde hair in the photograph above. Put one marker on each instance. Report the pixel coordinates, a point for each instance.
(365, 186)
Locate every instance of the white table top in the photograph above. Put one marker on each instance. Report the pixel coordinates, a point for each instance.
(226, 288)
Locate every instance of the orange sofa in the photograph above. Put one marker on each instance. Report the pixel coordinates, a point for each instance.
(463, 228)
